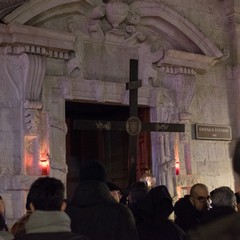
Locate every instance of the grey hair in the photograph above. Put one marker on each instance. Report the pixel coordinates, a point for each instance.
(223, 196)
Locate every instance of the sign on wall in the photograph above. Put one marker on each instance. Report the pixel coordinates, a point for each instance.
(213, 132)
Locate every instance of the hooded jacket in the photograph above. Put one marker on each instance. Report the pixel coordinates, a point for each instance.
(95, 214)
(155, 210)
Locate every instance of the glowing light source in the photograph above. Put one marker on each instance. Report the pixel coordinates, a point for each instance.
(44, 161)
(148, 178)
(176, 154)
(44, 165)
(177, 167)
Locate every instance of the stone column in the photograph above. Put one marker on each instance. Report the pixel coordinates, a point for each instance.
(33, 76)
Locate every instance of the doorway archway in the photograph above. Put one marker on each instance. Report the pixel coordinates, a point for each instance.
(108, 147)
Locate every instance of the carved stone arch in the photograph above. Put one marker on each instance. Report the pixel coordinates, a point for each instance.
(174, 20)
(156, 17)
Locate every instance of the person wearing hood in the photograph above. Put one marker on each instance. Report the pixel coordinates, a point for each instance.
(94, 212)
(155, 211)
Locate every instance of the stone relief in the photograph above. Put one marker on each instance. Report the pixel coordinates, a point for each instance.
(10, 86)
(146, 59)
(32, 120)
(33, 75)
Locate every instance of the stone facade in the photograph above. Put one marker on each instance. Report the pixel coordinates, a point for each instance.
(63, 50)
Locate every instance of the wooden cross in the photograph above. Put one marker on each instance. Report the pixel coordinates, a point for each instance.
(133, 125)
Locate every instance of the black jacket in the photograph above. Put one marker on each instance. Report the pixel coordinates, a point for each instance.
(95, 214)
(154, 211)
(217, 212)
(186, 216)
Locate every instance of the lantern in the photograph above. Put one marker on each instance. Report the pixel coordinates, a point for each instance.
(148, 178)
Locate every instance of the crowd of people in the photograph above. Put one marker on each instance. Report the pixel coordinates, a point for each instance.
(99, 210)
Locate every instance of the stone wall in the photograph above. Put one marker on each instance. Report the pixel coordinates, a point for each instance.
(186, 63)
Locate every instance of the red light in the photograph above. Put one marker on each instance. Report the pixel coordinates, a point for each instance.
(44, 167)
(177, 168)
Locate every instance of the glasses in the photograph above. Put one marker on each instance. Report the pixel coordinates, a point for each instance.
(202, 199)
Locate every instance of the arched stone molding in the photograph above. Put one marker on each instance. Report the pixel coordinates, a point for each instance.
(138, 21)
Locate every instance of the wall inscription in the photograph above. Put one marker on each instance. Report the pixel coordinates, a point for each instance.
(213, 132)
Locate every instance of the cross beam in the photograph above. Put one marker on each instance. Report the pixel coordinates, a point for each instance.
(121, 126)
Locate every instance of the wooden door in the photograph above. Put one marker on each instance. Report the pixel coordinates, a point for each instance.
(109, 147)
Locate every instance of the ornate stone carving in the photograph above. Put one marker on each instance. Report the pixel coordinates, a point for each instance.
(116, 12)
(10, 88)
(32, 120)
(185, 88)
(146, 59)
(33, 75)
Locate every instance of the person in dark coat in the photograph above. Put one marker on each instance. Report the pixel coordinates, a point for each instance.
(115, 190)
(94, 212)
(156, 209)
(190, 209)
(223, 204)
(48, 219)
(137, 193)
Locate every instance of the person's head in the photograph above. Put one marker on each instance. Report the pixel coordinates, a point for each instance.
(137, 192)
(160, 202)
(223, 196)
(115, 191)
(199, 197)
(47, 194)
(92, 170)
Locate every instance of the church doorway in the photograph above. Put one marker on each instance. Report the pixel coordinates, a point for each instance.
(108, 147)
